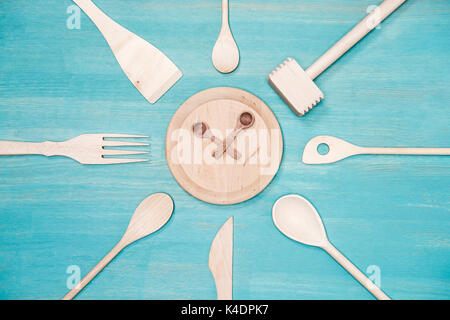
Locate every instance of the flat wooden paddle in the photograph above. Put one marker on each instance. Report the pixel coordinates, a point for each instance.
(151, 72)
(151, 215)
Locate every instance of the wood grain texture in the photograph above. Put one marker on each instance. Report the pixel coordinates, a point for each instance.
(393, 214)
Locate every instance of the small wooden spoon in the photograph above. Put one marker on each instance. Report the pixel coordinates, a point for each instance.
(245, 121)
(225, 55)
(151, 215)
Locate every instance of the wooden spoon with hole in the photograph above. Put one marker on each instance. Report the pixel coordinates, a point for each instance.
(201, 130)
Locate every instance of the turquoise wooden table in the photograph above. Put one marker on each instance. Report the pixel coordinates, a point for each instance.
(388, 214)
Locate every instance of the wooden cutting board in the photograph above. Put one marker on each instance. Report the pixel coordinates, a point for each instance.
(223, 180)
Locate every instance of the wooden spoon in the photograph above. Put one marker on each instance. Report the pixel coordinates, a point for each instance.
(225, 55)
(151, 215)
(297, 219)
(245, 121)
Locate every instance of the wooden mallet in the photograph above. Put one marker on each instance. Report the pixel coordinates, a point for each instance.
(296, 86)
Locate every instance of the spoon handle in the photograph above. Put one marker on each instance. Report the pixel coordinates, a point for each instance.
(408, 151)
(354, 271)
(224, 13)
(91, 275)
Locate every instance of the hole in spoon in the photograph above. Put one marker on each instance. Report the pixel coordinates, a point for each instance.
(323, 149)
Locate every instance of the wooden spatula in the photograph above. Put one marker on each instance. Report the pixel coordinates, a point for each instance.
(151, 215)
(339, 149)
(151, 72)
(221, 261)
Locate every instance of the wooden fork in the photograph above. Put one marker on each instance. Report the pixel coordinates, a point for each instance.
(86, 149)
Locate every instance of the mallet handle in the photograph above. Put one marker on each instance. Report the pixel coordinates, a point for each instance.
(353, 37)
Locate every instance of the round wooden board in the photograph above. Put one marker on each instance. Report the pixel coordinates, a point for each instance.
(224, 180)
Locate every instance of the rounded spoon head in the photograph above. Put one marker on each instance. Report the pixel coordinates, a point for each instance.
(225, 55)
(246, 120)
(150, 216)
(297, 219)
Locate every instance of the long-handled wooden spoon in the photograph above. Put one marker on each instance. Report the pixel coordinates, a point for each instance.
(297, 219)
(339, 149)
(225, 55)
(151, 215)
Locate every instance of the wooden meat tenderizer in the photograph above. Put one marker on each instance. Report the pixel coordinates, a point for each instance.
(296, 86)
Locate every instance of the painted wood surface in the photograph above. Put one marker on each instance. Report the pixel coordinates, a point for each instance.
(388, 213)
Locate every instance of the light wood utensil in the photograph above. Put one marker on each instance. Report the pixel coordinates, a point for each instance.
(151, 215)
(86, 149)
(225, 55)
(150, 71)
(223, 180)
(297, 219)
(202, 131)
(339, 149)
(221, 261)
(296, 86)
(245, 121)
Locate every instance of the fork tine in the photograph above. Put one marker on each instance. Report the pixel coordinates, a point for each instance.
(112, 152)
(119, 161)
(116, 135)
(108, 143)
